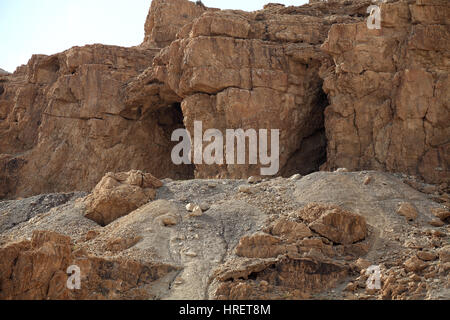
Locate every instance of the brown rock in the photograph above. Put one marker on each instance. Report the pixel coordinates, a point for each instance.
(407, 210)
(362, 263)
(77, 94)
(260, 245)
(441, 213)
(91, 234)
(437, 223)
(444, 254)
(290, 230)
(414, 264)
(336, 224)
(36, 270)
(426, 255)
(118, 194)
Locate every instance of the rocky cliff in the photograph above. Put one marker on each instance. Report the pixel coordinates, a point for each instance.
(345, 97)
(341, 94)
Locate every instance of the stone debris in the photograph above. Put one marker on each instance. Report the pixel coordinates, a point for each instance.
(316, 73)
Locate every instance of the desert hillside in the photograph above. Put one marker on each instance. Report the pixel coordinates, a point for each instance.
(87, 176)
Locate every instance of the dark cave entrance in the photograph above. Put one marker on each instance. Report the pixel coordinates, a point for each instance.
(170, 118)
(312, 150)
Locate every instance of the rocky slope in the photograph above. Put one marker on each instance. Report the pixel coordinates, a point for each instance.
(86, 133)
(309, 237)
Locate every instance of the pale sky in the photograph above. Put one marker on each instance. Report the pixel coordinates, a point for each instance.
(51, 26)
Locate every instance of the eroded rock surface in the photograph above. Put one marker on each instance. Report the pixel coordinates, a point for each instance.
(118, 194)
(345, 98)
(260, 245)
(68, 119)
(37, 270)
(389, 91)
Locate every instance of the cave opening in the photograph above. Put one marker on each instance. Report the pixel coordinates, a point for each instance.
(311, 153)
(169, 119)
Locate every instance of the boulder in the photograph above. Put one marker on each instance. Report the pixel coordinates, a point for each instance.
(335, 224)
(118, 194)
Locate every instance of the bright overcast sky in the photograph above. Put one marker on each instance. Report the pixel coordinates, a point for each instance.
(51, 26)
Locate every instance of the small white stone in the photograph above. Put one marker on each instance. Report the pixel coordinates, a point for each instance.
(197, 212)
(254, 179)
(295, 177)
(190, 207)
(342, 170)
(190, 254)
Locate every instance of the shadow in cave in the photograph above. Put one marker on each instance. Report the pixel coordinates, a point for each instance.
(169, 119)
(312, 150)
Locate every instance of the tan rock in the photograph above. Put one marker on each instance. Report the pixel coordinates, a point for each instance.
(91, 234)
(246, 189)
(338, 225)
(260, 245)
(254, 179)
(290, 230)
(196, 212)
(36, 270)
(437, 223)
(426, 255)
(414, 264)
(441, 213)
(362, 263)
(169, 220)
(444, 254)
(117, 195)
(407, 210)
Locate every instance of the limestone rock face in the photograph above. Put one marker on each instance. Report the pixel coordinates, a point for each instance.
(166, 18)
(118, 194)
(36, 270)
(389, 90)
(338, 225)
(63, 124)
(342, 95)
(239, 70)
